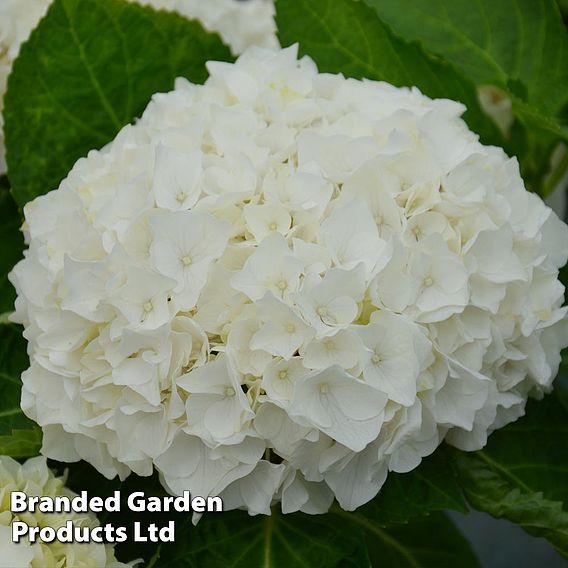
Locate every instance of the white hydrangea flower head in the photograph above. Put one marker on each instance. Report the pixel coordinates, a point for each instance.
(239, 23)
(287, 280)
(36, 479)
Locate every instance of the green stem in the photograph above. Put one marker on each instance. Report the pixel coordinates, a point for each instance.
(268, 526)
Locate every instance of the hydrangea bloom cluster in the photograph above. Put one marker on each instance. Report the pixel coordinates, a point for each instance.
(35, 478)
(239, 23)
(283, 284)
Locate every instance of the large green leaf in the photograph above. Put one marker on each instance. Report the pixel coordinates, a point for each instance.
(404, 525)
(522, 473)
(345, 36)
(11, 247)
(88, 69)
(431, 542)
(19, 437)
(563, 5)
(430, 487)
(298, 541)
(233, 539)
(518, 45)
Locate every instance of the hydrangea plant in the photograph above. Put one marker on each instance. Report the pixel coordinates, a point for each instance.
(311, 280)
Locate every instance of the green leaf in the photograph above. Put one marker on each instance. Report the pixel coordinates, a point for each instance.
(87, 70)
(21, 443)
(19, 437)
(430, 487)
(377, 40)
(345, 36)
(518, 45)
(404, 525)
(431, 542)
(13, 361)
(233, 539)
(11, 248)
(522, 473)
